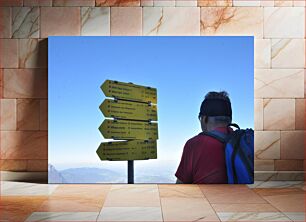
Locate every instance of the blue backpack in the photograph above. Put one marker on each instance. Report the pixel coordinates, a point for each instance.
(239, 154)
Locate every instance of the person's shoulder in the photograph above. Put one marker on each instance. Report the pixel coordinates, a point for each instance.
(194, 140)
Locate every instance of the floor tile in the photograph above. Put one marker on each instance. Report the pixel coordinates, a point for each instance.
(130, 214)
(230, 194)
(251, 216)
(9, 188)
(284, 199)
(92, 191)
(71, 204)
(263, 207)
(181, 190)
(63, 216)
(187, 209)
(133, 196)
(14, 208)
(277, 184)
(295, 216)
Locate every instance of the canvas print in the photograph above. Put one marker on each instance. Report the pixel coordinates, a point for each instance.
(151, 110)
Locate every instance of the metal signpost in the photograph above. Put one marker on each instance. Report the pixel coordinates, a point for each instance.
(134, 114)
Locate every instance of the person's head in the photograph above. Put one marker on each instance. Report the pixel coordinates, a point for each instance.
(215, 111)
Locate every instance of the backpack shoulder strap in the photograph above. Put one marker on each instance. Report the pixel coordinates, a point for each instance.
(216, 135)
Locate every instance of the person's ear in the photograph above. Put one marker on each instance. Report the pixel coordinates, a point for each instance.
(205, 118)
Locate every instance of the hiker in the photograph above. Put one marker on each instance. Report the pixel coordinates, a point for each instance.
(203, 158)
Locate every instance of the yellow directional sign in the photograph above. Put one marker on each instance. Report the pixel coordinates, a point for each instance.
(128, 110)
(125, 129)
(129, 91)
(128, 150)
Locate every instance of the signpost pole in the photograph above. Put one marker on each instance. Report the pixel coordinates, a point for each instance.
(130, 171)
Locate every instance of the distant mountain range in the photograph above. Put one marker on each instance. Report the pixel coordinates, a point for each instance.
(101, 175)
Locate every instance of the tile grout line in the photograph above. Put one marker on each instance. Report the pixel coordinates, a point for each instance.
(103, 202)
(209, 203)
(161, 209)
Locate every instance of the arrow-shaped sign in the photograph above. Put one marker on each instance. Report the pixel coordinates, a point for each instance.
(129, 91)
(128, 150)
(128, 110)
(124, 129)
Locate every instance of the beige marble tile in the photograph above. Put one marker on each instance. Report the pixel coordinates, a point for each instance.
(305, 83)
(295, 216)
(230, 194)
(263, 207)
(299, 3)
(181, 190)
(267, 3)
(232, 21)
(8, 53)
(284, 22)
(1, 83)
(279, 114)
(212, 3)
(260, 165)
(5, 3)
(262, 51)
(13, 165)
(52, 16)
(267, 145)
(71, 204)
(146, 2)
(126, 21)
(37, 2)
(187, 209)
(292, 144)
(258, 114)
(28, 114)
(163, 3)
(24, 144)
(300, 114)
(73, 2)
(90, 191)
(25, 22)
(279, 83)
(288, 53)
(33, 53)
(123, 3)
(18, 208)
(95, 21)
(289, 165)
(171, 21)
(8, 114)
(5, 22)
(43, 114)
(279, 176)
(283, 3)
(25, 83)
(253, 216)
(186, 3)
(277, 184)
(37, 165)
(130, 214)
(63, 216)
(133, 196)
(285, 199)
(246, 3)
(26, 189)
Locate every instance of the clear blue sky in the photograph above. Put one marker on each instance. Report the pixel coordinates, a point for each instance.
(183, 69)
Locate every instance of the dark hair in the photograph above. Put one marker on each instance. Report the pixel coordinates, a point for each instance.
(216, 104)
(217, 95)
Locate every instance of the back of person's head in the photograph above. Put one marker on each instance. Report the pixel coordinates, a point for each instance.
(216, 107)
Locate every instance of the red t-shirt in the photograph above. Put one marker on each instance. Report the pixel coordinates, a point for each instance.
(203, 160)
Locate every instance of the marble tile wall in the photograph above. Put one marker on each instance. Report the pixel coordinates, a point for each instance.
(278, 27)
